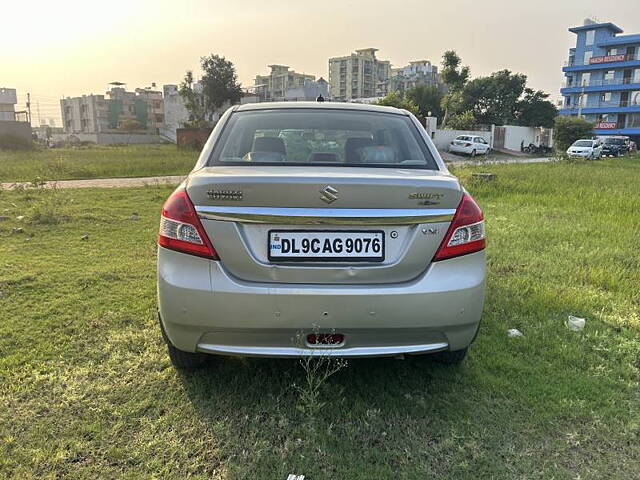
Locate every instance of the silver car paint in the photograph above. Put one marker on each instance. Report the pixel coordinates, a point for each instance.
(201, 305)
(243, 305)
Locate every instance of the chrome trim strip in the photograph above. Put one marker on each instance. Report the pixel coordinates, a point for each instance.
(326, 216)
(285, 352)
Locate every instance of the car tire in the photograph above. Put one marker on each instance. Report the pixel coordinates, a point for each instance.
(179, 358)
(449, 357)
(473, 153)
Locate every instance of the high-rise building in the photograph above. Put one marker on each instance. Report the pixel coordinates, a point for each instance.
(359, 75)
(273, 87)
(603, 79)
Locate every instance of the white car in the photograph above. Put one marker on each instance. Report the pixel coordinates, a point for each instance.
(591, 149)
(469, 145)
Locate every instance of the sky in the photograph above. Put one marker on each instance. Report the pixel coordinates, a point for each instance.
(75, 47)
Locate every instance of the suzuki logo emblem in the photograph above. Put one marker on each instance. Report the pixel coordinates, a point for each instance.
(329, 194)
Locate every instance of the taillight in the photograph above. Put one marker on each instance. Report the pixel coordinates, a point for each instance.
(180, 228)
(466, 232)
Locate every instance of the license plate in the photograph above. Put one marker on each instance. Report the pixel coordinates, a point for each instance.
(326, 246)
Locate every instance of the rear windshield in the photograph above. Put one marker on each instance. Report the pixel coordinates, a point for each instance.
(583, 143)
(314, 137)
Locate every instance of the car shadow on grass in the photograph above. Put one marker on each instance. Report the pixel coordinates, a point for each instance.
(379, 416)
(372, 409)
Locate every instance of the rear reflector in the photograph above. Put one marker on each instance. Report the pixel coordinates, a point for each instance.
(181, 230)
(325, 338)
(466, 232)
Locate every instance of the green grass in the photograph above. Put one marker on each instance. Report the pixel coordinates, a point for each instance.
(87, 391)
(95, 162)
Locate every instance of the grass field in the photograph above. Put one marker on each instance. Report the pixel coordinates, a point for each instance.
(95, 162)
(87, 391)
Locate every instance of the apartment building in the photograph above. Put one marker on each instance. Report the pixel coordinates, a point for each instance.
(12, 123)
(419, 72)
(603, 79)
(8, 100)
(117, 110)
(359, 75)
(273, 87)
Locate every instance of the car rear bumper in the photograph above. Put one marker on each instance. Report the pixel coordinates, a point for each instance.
(460, 149)
(203, 308)
(612, 151)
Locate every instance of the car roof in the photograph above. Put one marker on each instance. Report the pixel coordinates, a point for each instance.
(361, 107)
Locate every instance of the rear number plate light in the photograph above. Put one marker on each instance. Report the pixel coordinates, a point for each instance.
(321, 339)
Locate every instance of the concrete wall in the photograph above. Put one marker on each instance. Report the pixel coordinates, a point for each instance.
(514, 137)
(193, 137)
(108, 138)
(442, 138)
(16, 129)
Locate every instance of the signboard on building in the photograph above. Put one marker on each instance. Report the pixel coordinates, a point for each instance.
(607, 59)
(606, 125)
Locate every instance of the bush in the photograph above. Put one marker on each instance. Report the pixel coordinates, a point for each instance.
(13, 142)
(569, 129)
(398, 100)
(462, 121)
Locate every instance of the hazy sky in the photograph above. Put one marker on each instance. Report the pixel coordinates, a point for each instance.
(74, 47)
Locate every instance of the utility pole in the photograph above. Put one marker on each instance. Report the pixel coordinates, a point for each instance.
(38, 110)
(29, 107)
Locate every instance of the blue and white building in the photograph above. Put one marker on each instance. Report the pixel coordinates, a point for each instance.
(603, 79)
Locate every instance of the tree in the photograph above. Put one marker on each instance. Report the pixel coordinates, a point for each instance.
(454, 78)
(463, 121)
(427, 98)
(534, 110)
(218, 85)
(193, 102)
(219, 82)
(398, 100)
(569, 129)
(494, 99)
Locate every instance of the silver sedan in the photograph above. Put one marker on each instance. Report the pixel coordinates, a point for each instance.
(320, 229)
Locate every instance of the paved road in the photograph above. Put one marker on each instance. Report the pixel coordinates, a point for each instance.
(102, 182)
(495, 162)
(175, 179)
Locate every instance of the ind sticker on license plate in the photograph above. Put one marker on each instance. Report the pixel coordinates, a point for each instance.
(326, 246)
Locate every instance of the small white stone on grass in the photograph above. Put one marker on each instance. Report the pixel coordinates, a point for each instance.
(514, 332)
(575, 323)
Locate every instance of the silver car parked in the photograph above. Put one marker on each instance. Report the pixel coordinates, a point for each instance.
(348, 238)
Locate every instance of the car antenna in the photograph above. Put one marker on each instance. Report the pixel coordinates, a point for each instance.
(320, 98)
